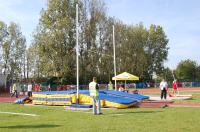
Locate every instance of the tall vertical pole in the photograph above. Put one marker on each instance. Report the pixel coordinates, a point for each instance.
(114, 57)
(77, 54)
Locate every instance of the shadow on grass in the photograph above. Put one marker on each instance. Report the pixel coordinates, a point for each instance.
(30, 126)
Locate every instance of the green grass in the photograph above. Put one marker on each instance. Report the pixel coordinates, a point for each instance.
(57, 119)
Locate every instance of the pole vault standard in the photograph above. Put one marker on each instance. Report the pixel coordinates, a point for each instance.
(77, 54)
(114, 57)
(77, 59)
(174, 80)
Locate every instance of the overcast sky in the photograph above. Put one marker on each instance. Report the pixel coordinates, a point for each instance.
(180, 20)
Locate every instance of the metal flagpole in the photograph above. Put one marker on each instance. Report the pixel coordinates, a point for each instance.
(114, 60)
(77, 59)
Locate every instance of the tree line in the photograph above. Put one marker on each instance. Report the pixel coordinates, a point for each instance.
(140, 50)
(12, 51)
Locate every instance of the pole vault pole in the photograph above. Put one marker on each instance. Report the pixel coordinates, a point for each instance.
(114, 56)
(176, 82)
(77, 59)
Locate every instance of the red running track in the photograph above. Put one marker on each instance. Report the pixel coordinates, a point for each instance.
(5, 98)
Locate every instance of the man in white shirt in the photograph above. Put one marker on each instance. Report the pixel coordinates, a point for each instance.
(29, 89)
(163, 88)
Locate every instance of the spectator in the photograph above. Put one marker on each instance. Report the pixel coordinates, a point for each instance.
(110, 86)
(49, 87)
(14, 90)
(30, 89)
(121, 88)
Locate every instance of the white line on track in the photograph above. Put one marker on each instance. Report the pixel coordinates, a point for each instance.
(13, 113)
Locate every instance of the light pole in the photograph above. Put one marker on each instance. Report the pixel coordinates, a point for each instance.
(114, 56)
(77, 59)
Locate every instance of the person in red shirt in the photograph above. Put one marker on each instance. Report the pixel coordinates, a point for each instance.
(175, 87)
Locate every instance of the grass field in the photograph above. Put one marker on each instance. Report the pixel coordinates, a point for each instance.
(58, 119)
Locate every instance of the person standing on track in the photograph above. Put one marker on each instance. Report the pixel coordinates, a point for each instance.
(163, 88)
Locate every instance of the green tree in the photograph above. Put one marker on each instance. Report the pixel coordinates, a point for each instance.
(55, 37)
(93, 55)
(3, 37)
(198, 73)
(131, 55)
(187, 70)
(156, 49)
(3, 33)
(139, 50)
(13, 51)
(17, 44)
(32, 62)
(166, 74)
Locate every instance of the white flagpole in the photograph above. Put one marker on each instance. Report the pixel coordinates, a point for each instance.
(114, 60)
(77, 59)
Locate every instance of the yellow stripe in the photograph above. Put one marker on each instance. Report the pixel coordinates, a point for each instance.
(118, 105)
